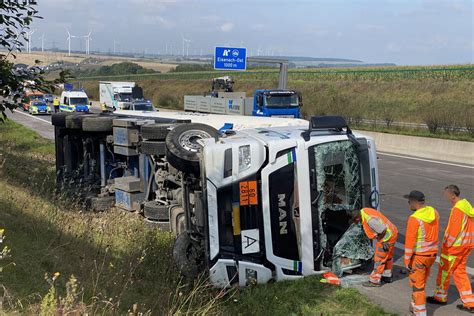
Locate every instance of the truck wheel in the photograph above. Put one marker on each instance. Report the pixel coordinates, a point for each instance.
(152, 148)
(187, 255)
(155, 131)
(182, 145)
(97, 124)
(59, 119)
(156, 211)
(177, 220)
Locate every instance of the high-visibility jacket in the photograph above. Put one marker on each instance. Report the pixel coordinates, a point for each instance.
(459, 233)
(56, 102)
(422, 233)
(370, 214)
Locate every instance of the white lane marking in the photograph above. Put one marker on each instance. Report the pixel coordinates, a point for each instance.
(426, 160)
(33, 117)
(401, 246)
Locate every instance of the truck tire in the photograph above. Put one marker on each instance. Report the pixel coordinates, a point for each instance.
(59, 119)
(152, 148)
(74, 121)
(177, 220)
(97, 124)
(182, 147)
(156, 211)
(187, 256)
(155, 131)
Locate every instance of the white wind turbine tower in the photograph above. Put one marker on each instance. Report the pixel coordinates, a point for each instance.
(28, 40)
(88, 39)
(42, 42)
(69, 36)
(186, 44)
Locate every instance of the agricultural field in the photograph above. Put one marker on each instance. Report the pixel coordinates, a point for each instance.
(440, 96)
(62, 260)
(53, 57)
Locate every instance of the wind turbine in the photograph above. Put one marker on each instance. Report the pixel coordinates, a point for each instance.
(88, 39)
(186, 43)
(28, 40)
(69, 36)
(42, 42)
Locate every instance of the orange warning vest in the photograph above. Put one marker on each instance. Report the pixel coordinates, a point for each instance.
(368, 214)
(459, 233)
(422, 233)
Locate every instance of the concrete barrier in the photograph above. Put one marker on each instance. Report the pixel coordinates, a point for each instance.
(424, 147)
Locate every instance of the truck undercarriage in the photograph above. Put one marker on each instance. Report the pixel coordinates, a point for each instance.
(235, 203)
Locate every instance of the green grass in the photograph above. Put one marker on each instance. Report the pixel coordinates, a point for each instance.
(121, 263)
(303, 297)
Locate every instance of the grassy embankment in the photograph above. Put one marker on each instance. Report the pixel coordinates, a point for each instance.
(112, 262)
(440, 96)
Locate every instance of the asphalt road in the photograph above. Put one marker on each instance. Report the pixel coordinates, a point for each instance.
(398, 175)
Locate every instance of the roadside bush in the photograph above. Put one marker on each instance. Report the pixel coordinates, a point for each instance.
(192, 67)
(469, 121)
(434, 117)
(168, 101)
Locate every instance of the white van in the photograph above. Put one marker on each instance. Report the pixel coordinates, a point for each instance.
(74, 101)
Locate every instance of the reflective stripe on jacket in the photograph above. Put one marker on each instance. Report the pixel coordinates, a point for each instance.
(459, 233)
(369, 214)
(422, 233)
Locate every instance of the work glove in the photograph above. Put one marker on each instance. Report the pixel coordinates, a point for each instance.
(385, 246)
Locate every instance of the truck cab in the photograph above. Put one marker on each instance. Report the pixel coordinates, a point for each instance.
(279, 202)
(277, 103)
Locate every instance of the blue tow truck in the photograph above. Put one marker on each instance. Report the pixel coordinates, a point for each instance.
(279, 102)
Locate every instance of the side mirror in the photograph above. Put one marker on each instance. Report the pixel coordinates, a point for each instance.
(90, 103)
(300, 101)
(259, 101)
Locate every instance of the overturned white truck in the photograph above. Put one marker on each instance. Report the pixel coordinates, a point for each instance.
(250, 201)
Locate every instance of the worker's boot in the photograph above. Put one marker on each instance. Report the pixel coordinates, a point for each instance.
(465, 308)
(387, 279)
(433, 300)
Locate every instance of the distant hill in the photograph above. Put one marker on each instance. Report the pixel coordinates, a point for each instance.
(317, 59)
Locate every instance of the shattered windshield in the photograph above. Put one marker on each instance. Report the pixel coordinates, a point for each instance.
(337, 184)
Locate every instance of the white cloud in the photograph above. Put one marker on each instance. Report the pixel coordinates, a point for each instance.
(227, 27)
(157, 21)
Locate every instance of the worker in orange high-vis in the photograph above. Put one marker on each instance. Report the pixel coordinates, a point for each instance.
(458, 243)
(421, 247)
(377, 226)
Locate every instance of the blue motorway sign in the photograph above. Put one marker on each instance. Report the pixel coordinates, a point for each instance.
(230, 58)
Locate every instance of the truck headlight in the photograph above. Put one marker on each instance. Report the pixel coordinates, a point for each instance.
(244, 158)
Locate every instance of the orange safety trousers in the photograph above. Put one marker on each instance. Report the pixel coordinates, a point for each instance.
(420, 271)
(455, 266)
(383, 260)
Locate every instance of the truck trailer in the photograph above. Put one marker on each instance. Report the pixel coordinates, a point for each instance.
(250, 199)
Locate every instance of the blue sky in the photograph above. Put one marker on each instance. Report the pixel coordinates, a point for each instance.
(401, 31)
